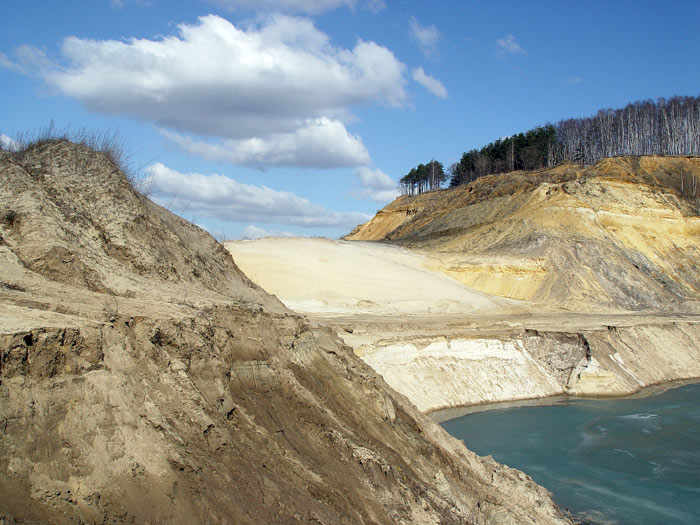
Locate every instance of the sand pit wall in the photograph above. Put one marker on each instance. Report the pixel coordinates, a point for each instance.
(449, 371)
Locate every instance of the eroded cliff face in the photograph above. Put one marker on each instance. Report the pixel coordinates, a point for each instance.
(617, 238)
(477, 366)
(621, 235)
(590, 283)
(144, 378)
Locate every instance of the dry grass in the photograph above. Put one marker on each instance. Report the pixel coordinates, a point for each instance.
(107, 142)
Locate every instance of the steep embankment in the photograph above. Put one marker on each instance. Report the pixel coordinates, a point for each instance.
(530, 359)
(589, 283)
(621, 235)
(143, 378)
(444, 345)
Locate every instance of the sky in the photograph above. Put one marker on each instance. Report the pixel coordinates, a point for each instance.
(252, 118)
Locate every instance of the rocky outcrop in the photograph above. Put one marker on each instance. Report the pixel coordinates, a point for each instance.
(144, 378)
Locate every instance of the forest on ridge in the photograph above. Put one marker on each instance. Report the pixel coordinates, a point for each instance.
(662, 127)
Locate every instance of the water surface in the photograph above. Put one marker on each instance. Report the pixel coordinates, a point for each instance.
(625, 461)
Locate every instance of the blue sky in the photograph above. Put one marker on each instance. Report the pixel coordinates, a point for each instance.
(297, 116)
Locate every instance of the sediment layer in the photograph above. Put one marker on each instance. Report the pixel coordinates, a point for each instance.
(448, 370)
(620, 235)
(145, 379)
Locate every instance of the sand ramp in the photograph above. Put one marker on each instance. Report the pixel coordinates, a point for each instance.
(330, 276)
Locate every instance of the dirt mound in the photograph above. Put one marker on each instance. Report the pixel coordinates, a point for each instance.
(72, 216)
(143, 378)
(621, 235)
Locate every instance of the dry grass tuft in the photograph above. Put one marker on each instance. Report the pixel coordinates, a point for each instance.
(107, 142)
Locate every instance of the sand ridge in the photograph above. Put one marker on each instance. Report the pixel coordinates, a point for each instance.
(620, 235)
(325, 276)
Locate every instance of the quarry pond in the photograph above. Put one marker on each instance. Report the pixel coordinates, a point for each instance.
(625, 461)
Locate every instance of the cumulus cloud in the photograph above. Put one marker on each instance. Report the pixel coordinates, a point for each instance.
(433, 85)
(508, 44)
(377, 185)
(320, 143)
(310, 7)
(254, 232)
(215, 79)
(220, 197)
(427, 37)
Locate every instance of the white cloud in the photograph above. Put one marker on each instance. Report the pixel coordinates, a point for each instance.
(433, 85)
(426, 37)
(220, 197)
(216, 79)
(321, 143)
(508, 44)
(7, 142)
(6, 62)
(254, 232)
(377, 185)
(28, 59)
(574, 80)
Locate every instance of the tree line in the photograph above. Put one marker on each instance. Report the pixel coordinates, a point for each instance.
(423, 177)
(661, 127)
(534, 149)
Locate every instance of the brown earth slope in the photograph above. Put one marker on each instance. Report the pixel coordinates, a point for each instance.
(621, 235)
(144, 378)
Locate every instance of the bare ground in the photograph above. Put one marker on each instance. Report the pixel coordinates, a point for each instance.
(145, 379)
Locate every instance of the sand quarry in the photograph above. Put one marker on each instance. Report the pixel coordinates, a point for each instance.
(331, 277)
(446, 345)
(145, 379)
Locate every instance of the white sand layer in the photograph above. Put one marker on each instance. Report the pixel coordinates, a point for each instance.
(329, 276)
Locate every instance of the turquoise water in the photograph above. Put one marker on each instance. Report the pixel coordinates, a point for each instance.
(626, 461)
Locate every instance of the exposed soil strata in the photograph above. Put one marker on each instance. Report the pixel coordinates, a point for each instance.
(467, 367)
(590, 283)
(144, 378)
(621, 235)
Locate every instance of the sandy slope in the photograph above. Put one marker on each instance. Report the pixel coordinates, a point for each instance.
(145, 379)
(593, 272)
(621, 235)
(326, 276)
(444, 345)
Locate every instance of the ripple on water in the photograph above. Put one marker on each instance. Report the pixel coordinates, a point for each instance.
(638, 416)
(620, 461)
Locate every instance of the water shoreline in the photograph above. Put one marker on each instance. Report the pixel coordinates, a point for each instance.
(440, 415)
(625, 460)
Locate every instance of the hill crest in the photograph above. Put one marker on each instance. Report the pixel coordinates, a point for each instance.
(621, 235)
(143, 378)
